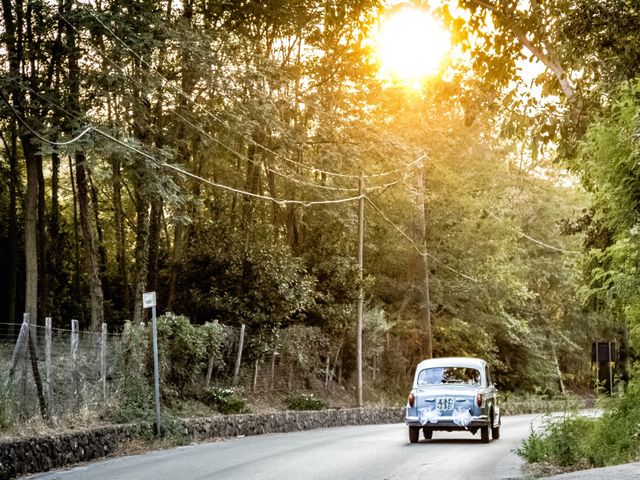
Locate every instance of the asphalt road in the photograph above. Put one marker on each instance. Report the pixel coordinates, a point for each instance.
(373, 452)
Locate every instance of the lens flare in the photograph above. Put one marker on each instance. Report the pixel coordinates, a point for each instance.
(411, 45)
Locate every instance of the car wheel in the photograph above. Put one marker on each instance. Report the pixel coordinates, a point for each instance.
(495, 432)
(428, 433)
(414, 433)
(484, 434)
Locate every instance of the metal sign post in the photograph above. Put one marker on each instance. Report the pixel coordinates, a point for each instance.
(149, 301)
(603, 354)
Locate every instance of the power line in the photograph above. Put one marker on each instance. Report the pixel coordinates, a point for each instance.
(216, 118)
(515, 229)
(535, 240)
(304, 203)
(88, 129)
(417, 249)
(372, 187)
(37, 134)
(241, 155)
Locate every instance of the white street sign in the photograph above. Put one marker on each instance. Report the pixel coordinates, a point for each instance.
(149, 300)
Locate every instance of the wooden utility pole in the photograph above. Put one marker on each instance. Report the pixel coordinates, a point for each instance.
(425, 304)
(360, 291)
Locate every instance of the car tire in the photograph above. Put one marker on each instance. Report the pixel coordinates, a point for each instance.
(428, 433)
(484, 434)
(495, 432)
(414, 434)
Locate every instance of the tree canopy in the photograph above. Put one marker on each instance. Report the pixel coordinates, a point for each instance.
(212, 152)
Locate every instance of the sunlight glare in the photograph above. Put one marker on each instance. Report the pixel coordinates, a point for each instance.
(411, 45)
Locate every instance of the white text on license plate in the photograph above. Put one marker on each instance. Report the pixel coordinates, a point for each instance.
(445, 403)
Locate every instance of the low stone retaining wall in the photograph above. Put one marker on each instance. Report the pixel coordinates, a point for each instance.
(39, 454)
(234, 425)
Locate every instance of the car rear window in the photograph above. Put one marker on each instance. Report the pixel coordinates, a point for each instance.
(449, 375)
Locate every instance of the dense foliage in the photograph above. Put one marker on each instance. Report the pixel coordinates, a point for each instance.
(212, 152)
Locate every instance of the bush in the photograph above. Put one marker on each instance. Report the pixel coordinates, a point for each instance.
(213, 337)
(579, 441)
(564, 441)
(305, 402)
(226, 400)
(182, 352)
(534, 448)
(617, 434)
(134, 399)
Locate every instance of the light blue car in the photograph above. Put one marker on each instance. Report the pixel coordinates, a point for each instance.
(450, 394)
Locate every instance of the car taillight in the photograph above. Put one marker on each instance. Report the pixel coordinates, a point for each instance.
(411, 400)
(479, 400)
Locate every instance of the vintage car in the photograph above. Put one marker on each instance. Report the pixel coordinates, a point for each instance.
(453, 394)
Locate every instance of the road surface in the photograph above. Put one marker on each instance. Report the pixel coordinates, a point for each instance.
(373, 452)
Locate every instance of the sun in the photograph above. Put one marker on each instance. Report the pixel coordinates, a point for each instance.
(411, 45)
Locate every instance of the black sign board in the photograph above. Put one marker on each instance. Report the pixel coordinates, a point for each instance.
(603, 352)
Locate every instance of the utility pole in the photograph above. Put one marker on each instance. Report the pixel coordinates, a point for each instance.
(425, 307)
(361, 291)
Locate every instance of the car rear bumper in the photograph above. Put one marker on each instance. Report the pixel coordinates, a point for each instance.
(447, 423)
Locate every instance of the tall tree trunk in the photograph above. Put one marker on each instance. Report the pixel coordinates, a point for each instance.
(88, 236)
(44, 288)
(89, 245)
(13, 231)
(31, 260)
(252, 183)
(76, 235)
(30, 238)
(102, 251)
(142, 255)
(423, 268)
(15, 54)
(155, 227)
(176, 260)
(56, 243)
(188, 81)
(120, 233)
(140, 118)
(248, 207)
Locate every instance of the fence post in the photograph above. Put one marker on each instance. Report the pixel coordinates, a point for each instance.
(19, 355)
(25, 366)
(19, 349)
(209, 371)
(47, 364)
(103, 361)
(255, 375)
(236, 370)
(273, 365)
(75, 379)
(327, 371)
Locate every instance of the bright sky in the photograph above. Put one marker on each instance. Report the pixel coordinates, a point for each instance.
(410, 45)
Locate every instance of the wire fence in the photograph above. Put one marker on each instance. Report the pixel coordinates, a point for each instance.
(60, 372)
(82, 371)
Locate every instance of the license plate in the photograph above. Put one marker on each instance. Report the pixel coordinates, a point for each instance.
(445, 403)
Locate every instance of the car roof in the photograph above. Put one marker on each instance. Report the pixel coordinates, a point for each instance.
(451, 362)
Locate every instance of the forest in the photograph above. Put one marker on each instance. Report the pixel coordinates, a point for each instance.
(225, 155)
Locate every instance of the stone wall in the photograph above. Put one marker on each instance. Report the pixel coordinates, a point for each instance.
(39, 454)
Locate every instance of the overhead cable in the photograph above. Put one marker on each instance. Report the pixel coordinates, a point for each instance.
(216, 118)
(517, 230)
(417, 249)
(89, 129)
